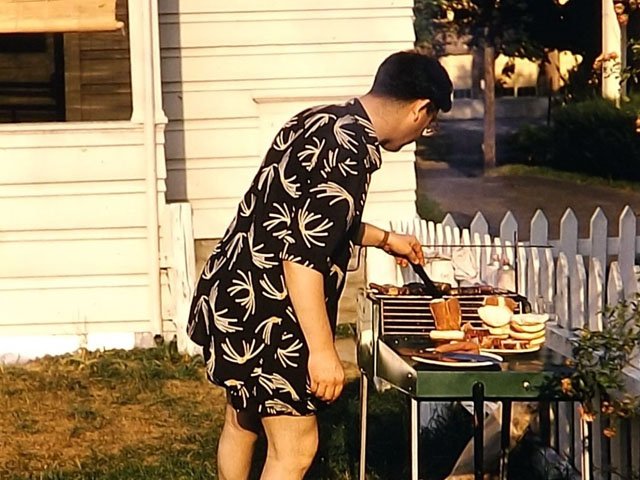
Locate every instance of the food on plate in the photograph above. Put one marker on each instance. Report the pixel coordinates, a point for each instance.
(501, 301)
(526, 328)
(446, 313)
(495, 316)
(469, 347)
(444, 335)
(527, 336)
(473, 333)
(511, 344)
(530, 318)
(537, 341)
(503, 332)
(491, 342)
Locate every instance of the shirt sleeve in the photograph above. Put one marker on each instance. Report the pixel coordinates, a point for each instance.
(330, 191)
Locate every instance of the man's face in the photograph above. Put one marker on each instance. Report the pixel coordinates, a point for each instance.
(411, 123)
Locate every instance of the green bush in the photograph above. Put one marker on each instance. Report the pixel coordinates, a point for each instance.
(592, 137)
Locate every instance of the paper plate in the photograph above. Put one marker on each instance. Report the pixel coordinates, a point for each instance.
(484, 359)
(503, 351)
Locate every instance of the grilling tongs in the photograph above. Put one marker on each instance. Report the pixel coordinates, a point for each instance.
(430, 287)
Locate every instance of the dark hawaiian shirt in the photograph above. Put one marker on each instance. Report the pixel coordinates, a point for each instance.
(305, 206)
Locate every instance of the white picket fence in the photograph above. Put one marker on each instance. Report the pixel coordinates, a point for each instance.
(575, 277)
(570, 276)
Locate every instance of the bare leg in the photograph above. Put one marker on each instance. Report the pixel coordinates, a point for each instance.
(292, 444)
(235, 448)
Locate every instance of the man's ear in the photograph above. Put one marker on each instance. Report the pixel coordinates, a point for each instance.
(419, 105)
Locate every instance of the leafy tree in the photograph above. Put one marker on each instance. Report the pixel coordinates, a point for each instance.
(516, 28)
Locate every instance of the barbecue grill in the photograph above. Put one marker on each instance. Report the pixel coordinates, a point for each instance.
(390, 328)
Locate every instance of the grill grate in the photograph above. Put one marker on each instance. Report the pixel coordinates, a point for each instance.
(411, 315)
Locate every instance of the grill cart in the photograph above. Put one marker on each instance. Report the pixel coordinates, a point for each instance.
(393, 329)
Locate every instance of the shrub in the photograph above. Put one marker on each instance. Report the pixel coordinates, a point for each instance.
(592, 137)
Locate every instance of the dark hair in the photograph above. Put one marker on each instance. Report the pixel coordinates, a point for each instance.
(412, 76)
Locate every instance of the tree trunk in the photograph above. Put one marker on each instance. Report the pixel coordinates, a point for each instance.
(477, 64)
(489, 143)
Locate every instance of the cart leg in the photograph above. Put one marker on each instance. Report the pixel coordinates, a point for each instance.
(415, 426)
(544, 411)
(364, 398)
(478, 430)
(505, 439)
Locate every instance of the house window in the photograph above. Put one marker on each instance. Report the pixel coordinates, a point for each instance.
(72, 77)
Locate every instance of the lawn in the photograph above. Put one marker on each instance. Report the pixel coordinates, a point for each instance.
(150, 414)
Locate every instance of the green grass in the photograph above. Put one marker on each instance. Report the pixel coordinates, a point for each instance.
(109, 415)
(578, 178)
(428, 208)
(150, 414)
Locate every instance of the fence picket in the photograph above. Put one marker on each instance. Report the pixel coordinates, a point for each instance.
(578, 292)
(439, 238)
(533, 277)
(596, 294)
(488, 270)
(562, 291)
(598, 236)
(627, 254)
(615, 287)
(448, 240)
(456, 236)
(547, 288)
(509, 228)
(476, 242)
(522, 267)
(479, 225)
(466, 237)
(569, 235)
(422, 232)
(509, 252)
(448, 221)
(539, 229)
(498, 251)
(431, 228)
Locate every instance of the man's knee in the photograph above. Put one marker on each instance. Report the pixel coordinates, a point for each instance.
(293, 445)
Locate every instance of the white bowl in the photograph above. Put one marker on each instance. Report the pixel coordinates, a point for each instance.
(495, 316)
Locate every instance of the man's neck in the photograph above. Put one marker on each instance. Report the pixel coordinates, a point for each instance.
(381, 115)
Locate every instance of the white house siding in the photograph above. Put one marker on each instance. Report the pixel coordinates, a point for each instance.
(73, 237)
(233, 72)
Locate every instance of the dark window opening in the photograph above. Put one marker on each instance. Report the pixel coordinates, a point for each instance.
(69, 77)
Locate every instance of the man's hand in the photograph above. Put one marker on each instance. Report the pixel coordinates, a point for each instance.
(306, 290)
(406, 248)
(326, 375)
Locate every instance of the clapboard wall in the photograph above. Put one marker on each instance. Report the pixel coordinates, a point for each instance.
(233, 72)
(73, 238)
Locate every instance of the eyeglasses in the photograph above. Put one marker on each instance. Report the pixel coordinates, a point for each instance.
(432, 129)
